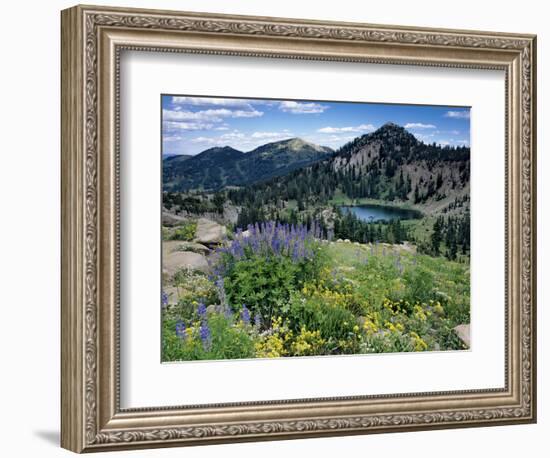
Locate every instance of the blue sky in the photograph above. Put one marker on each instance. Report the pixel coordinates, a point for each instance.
(192, 124)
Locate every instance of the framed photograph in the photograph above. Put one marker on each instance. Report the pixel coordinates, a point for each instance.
(278, 228)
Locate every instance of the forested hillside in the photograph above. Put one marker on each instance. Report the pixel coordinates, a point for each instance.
(389, 164)
(219, 167)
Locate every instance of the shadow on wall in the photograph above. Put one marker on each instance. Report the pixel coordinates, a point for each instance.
(51, 437)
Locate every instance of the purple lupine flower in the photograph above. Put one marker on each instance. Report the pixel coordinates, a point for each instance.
(276, 245)
(221, 291)
(164, 299)
(205, 335)
(201, 310)
(245, 315)
(180, 330)
(287, 241)
(269, 239)
(295, 253)
(257, 320)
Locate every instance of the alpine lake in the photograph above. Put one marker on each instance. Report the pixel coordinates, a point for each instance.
(373, 213)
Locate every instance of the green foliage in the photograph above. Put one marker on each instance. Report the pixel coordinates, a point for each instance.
(349, 226)
(387, 342)
(453, 232)
(334, 323)
(185, 232)
(265, 283)
(419, 285)
(357, 299)
(227, 341)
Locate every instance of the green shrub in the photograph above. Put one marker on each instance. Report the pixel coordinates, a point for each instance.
(185, 232)
(265, 283)
(262, 268)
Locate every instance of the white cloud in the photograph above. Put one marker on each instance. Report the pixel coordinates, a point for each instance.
(210, 115)
(419, 125)
(204, 140)
(172, 138)
(463, 114)
(423, 136)
(232, 135)
(336, 130)
(289, 106)
(283, 134)
(173, 126)
(246, 114)
(222, 139)
(332, 140)
(242, 141)
(213, 101)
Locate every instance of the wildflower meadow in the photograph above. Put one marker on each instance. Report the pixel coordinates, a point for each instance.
(280, 290)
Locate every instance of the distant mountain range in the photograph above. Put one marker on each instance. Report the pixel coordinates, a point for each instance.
(389, 164)
(219, 167)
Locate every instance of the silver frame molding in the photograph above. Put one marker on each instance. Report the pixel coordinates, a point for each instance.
(92, 40)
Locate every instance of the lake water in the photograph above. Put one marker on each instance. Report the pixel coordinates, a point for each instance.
(373, 213)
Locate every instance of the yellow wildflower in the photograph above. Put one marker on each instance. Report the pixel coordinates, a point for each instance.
(370, 327)
(419, 343)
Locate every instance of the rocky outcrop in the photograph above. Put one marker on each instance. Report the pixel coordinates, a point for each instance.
(178, 255)
(209, 232)
(175, 245)
(171, 220)
(178, 260)
(463, 331)
(172, 295)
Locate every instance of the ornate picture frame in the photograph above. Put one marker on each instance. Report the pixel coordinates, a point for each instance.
(93, 39)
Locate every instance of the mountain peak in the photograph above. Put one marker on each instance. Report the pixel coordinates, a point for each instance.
(391, 127)
(225, 148)
(393, 134)
(297, 144)
(220, 151)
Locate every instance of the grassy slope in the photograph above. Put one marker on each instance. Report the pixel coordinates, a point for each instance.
(373, 271)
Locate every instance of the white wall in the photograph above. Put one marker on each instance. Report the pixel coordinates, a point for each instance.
(29, 242)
